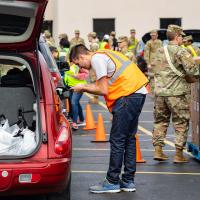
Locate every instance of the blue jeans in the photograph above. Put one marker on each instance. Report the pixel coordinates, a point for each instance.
(76, 109)
(126, 113)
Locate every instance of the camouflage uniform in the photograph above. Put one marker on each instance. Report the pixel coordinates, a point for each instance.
(194, 51)
(75, 41)
(171, 91)
(149, 56)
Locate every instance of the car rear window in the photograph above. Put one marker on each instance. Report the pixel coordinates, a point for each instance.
(13, 25)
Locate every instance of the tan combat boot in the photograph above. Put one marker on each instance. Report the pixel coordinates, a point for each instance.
(179, 158)
(159, 155)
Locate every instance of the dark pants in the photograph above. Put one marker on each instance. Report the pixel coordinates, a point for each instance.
(122, 137)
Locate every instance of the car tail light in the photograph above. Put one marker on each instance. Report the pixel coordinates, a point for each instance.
(29, 178)
(61, 145)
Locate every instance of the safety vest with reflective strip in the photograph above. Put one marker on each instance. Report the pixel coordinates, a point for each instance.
(192, 50)
(127, 78)
(69, 80)
(133, 44)
(63, 54)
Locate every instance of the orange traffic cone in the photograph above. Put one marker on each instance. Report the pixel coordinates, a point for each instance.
(148, 88)
(100, 135)
(138, 152)
(90, 125)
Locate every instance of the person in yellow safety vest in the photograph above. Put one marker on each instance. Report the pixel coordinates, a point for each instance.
(104, 44)
(133, 42)
(73, 77)
(64, 50)
(122, 84)
(123, 48)
(194, 50)
(63, 55)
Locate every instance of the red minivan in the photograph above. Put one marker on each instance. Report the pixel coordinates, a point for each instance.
(28, 92)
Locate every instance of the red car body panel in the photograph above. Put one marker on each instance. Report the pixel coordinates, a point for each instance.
(50, 170)
(30, 43)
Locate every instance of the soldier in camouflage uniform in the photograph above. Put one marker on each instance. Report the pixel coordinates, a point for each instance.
(170, 94)
(123, 48)
(150, 54)
(77, 39)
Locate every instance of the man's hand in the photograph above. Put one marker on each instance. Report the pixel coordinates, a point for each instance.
(78, 88)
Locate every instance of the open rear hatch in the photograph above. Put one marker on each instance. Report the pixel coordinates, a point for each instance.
(20, 24)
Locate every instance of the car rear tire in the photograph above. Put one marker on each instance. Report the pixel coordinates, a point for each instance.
(64, 195)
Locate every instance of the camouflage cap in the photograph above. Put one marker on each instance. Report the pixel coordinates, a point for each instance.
(63, 35)
(132, 30)
(122, 39)
(92, 34)
(76, 31)
(188, 38)
(153, 32)
(113, 33)
(175, 29)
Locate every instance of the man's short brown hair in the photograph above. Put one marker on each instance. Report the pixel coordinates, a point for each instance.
(77, 50)
(171, 35)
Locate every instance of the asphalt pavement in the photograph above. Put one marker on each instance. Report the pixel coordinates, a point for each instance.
(154, 180)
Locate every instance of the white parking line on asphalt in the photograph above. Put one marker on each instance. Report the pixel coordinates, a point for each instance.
(166, 141)
(101, 149)
(140, 172)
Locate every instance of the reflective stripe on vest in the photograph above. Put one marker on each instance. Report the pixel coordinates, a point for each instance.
(126, 79)
(116, 75)
(194, 54)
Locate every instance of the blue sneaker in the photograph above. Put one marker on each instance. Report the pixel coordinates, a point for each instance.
(105, 187)
(127, 187)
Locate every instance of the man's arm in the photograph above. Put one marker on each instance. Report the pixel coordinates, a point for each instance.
(189, 65)
(100, 88)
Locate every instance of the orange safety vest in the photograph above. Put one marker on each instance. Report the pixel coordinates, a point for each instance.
(127, 78)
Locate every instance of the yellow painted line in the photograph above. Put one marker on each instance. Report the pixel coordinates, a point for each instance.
(95, 149)
(99, 103)
(141, 128)
(140, 172)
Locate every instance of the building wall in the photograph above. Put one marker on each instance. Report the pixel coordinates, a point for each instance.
(143, 15)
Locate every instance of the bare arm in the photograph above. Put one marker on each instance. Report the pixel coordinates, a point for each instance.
(101, 88)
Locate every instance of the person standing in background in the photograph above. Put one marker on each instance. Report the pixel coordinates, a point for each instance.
(172, 64)
(123, 48)
(132, 42)
(77, 39)
(150, 54)
(94, 46)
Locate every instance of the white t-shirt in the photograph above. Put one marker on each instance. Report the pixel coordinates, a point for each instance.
(104, 66)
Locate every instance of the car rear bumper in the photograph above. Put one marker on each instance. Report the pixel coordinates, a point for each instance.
(54, 177)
